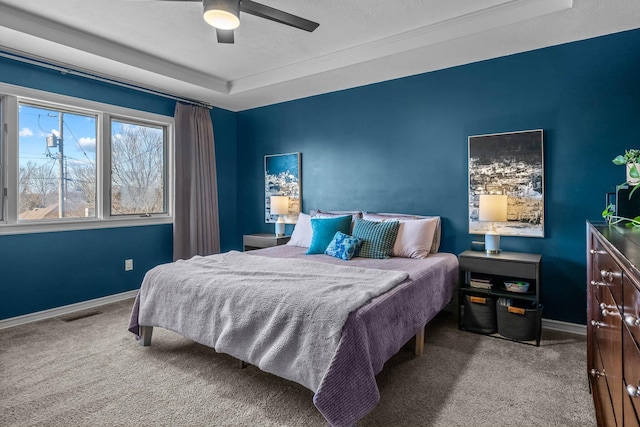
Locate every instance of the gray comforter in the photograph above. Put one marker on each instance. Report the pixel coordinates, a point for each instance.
(371, 333)
(284, 316)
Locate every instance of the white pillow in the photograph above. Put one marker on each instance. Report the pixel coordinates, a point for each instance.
(302, 232)
(415, 237)
(405, 217)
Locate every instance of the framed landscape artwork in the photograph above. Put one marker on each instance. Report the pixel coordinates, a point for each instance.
(510, 164)
(282, 178)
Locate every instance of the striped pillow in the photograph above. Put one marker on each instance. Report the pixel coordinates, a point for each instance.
(377, 238)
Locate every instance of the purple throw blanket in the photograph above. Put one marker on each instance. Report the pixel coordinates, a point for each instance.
(374, 332)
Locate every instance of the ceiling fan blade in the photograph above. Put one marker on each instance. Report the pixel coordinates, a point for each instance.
(224, 36)
(277, 15)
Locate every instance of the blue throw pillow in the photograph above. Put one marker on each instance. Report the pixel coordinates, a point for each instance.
(343, 246)
(377, 238)
(323, 230)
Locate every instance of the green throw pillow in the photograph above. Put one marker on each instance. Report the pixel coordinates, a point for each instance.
(323, 230)
(377, 237)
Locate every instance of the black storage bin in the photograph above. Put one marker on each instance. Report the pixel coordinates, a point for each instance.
(518, 323)
(479, 314)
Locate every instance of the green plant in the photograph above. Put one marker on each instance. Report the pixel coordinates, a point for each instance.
(609, 215)
(630, 157)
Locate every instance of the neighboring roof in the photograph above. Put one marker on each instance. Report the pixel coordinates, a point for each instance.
(50, 211)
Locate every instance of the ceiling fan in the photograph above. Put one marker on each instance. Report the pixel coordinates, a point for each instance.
(224, 15)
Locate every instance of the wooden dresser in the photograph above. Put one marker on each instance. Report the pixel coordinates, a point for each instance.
(613, 323)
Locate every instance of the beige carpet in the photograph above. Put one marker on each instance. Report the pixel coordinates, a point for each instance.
(91, 372)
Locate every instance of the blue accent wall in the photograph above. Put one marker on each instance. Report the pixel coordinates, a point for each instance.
(40, 271)
(401, 146)
(225, 134)
(47, 270)
(397, 146)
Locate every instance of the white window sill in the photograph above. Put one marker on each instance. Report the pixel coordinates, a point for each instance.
(88, 224)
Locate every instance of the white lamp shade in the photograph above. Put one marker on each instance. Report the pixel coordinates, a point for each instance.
(493, 207)
(279, 205)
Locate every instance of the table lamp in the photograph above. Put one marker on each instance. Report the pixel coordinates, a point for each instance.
(279, 206)
(493, 207)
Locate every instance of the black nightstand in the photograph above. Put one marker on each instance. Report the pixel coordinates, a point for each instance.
(262, 240)
(496, 310)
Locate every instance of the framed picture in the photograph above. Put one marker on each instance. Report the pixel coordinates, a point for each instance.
(282, 178)
(509, 164)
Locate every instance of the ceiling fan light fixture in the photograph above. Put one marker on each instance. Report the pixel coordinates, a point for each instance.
(222, 14)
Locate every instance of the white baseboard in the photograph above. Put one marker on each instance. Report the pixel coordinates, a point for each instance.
(67, 309)
(558, 325)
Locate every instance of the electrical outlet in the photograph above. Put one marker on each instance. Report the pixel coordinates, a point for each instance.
(128, 264)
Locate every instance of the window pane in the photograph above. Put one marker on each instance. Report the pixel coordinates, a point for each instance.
(137, 169)
(57, 164)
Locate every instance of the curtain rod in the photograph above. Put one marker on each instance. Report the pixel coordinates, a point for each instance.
(85, 74)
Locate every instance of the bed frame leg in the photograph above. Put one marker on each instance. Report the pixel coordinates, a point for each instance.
(145, 335)
(242, 364)
(419, 342)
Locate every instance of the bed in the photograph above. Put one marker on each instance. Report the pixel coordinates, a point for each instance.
(344, 384)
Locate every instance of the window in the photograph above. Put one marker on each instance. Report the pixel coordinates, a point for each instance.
(2, 156)
(56, 164)
(137, 168)
(68, 163)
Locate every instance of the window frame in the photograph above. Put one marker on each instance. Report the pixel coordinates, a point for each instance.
(136, 122)
(10, 98)
(3, 156)
(67, 110)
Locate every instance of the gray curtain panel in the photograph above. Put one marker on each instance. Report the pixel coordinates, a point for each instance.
(195, 230)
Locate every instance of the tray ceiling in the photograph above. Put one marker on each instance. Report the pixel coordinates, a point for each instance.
(167, 46)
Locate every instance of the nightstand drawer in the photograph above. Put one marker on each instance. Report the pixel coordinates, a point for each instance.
(260, 241)
(518, 269)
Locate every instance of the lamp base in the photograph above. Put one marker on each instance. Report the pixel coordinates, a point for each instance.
(492, 243)
(279, 229)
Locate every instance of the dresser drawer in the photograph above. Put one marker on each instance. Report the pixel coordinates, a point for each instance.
(630, 417)
(631, 310)
(609, 339)
(607, 271)
(597, 285)
(601, 397)
(631, 370)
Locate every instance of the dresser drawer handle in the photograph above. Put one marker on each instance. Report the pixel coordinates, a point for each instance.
(608, 275)
(596, 373)
(606, 313)
(608, 310)
(631, 320)
(596, 283)
(633, 391)
(596, 252)
(597, 324)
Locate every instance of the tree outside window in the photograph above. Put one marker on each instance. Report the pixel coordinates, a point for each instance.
(137, 169)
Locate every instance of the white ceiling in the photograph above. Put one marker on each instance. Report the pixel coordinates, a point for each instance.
(167, 46)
